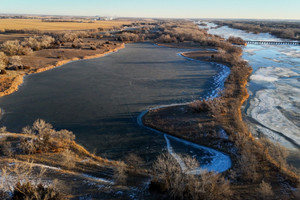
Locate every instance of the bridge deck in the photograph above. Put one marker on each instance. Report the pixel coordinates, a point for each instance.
(273, 42)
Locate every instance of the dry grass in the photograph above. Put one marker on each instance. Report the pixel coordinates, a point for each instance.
(37, 24)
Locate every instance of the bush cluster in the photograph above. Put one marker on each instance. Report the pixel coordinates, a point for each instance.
(288, 30)
(3, 60)
(173, 32)
(125, 36)
(180, 184)
(236, 40)
(47, 139)
(26, 47)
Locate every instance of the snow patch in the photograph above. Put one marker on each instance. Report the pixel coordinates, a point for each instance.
(293, 53)
(265, 109)
(263, 78)
(97, 179)
(219, 163)
(218, 80)
(272, 74)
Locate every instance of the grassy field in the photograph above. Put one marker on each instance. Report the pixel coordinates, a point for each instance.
(19, 24)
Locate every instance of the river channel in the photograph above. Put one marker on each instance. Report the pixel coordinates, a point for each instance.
(100, 100)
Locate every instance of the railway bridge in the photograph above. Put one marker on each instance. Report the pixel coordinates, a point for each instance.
(273, 42)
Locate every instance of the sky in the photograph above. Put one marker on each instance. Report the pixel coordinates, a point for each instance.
(249, 9)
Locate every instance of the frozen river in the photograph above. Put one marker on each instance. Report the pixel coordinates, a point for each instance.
(273, 108)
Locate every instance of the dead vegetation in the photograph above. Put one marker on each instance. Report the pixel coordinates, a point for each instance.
(179, 184)
(46, 138)
(282, 29)
(21, 181)
(236, 40)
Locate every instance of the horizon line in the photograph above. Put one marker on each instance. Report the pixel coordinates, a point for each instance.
(70, 15)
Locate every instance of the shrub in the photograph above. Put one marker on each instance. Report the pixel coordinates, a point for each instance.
(236, 40)
(169, 177)
(248, 166)
(47, 139)
(15, 62)
(276, 151)
(32, 43)
(40, 126)
(134, 160)
(68, 37)
(37, 43)
(166, 39)
(77, 45)
(35, 192)
(28, 146)
(265, 190)
(6, 149)
(3, 129)
(64, 135)
(208, 186)
(26, 51)
(27, 130)
(68, 159)
(11, 47)
(128, 37)
(3, 60)
(100, 45)
(18, 174)
(46, 41)
(93, 47)
(120, 175)
(190, 163)
(164, 169)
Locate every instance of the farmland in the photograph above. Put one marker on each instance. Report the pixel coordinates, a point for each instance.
(38, 24)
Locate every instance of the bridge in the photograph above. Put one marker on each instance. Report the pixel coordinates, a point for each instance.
(273, 43)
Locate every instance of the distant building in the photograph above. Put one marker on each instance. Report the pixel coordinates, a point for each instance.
(103, 18)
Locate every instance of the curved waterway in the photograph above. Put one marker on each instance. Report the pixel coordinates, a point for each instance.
(100, 101)
(273, 108)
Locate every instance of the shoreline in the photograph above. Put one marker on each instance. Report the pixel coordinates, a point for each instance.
(215, 93)
(182, 122)
(19, 79)
(214, 165)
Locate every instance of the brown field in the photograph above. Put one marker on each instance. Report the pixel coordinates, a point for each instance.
(12, 36)
(29, 24)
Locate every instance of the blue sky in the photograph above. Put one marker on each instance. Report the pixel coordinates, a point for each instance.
(262, 9)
